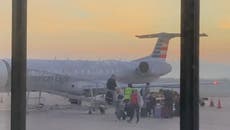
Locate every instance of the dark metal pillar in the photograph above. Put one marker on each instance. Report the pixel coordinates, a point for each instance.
(189, 113)
(18, 74)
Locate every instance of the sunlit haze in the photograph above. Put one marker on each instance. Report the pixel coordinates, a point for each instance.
(106, 29)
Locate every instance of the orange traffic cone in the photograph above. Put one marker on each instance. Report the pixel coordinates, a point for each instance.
(211, 104)
(219, 104)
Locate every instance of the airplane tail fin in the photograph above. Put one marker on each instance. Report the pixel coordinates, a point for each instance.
(161, 47)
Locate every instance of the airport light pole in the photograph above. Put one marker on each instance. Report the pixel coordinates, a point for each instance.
(189, 78)
(18, 64)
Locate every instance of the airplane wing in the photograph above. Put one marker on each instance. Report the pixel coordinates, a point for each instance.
(176, 84)
(98, 87)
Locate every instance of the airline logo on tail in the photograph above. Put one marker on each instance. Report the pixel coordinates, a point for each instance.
(161, 48)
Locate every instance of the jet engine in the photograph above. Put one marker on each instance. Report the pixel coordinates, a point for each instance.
(143, 68)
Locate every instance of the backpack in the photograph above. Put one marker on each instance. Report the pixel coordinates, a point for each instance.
(134, 99)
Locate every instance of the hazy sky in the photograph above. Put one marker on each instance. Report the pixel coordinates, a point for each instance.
(105, 29)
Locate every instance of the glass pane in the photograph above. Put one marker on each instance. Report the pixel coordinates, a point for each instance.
(74, 47)
(5, 67)
(215, 66)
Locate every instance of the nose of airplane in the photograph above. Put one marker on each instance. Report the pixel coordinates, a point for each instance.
(4, 74)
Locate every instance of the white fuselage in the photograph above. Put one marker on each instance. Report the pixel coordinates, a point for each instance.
(79, 70)
(73, 77)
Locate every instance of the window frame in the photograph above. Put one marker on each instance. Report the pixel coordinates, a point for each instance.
(189, 112)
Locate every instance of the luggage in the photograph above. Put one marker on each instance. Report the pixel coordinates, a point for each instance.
(167, 112)
(120, 114)
(157, 111)
(143, 112)
(109, 98)
(120, 110)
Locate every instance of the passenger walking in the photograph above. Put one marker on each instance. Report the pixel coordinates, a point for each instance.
(152, 104)
(134, 106)
(144, 92)
(158, 110)
(149, 105)
(177, 105)
(119, 107)
(167, 108)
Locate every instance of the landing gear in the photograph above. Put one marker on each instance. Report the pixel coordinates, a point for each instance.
(90, 112)
(93, 109)
(75, 101)
(102, 110)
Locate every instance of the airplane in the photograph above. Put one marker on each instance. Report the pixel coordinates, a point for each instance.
(139, 71)
(73, 79)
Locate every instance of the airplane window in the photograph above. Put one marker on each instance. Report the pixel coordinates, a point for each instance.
(214, 68)
(65, 39)
(5, 65)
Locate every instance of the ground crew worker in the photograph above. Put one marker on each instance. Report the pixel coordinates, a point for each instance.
(127, 96)
(127, 93)
(111, 87)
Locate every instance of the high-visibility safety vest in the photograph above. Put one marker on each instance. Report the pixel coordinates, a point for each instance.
(127, 93)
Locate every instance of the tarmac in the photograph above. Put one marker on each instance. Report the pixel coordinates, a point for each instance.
(58, 114)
